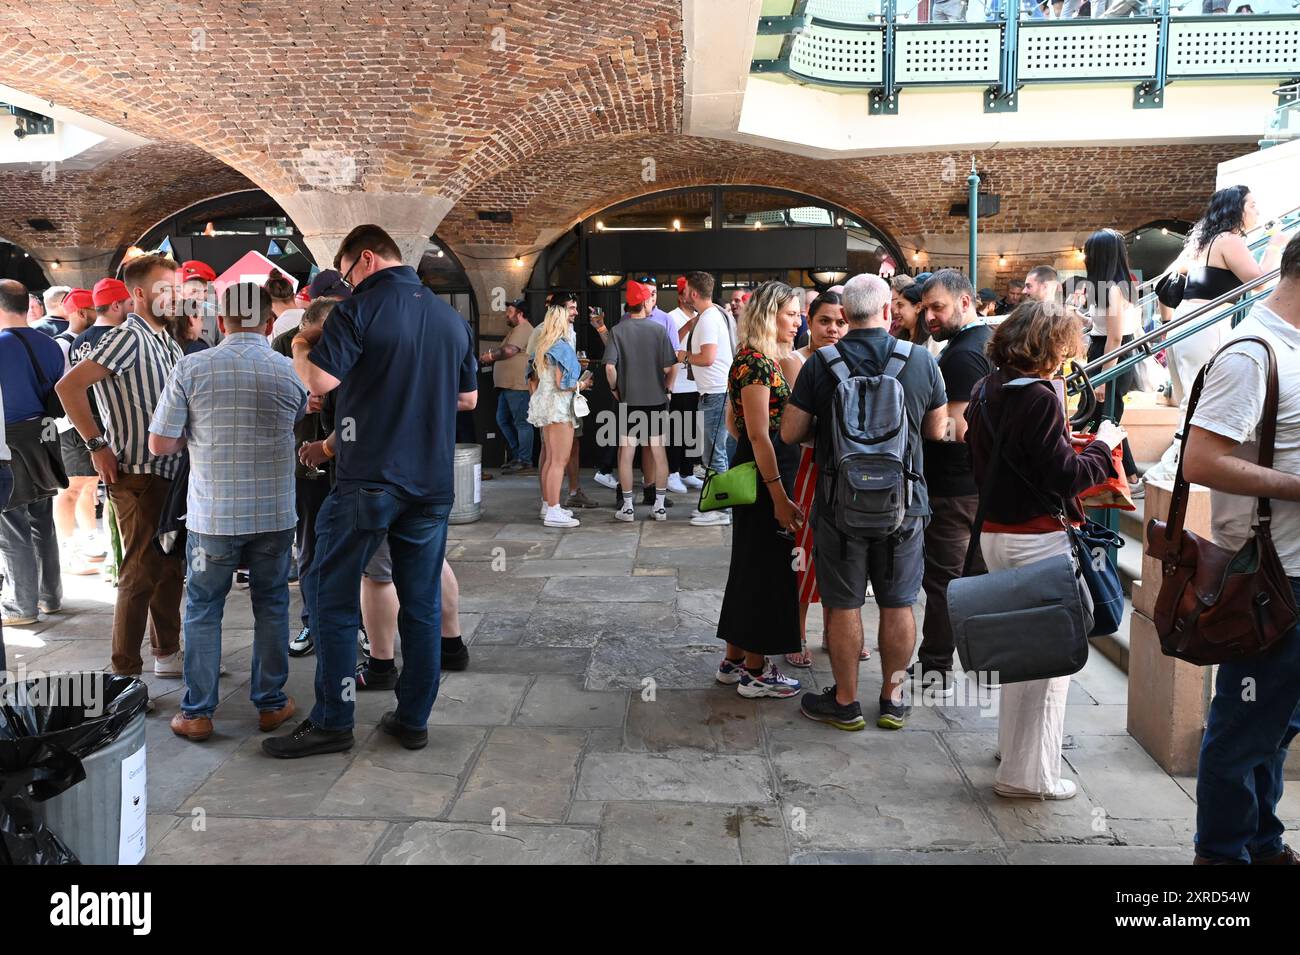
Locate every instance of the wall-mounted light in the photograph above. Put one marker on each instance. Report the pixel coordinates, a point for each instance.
(440, 253)
(600, 226)
(758, 225)
(677, 225)
(1002, 260)
(839, 220)
(54, 264)
(606, 279)
(828, 277)
(519, 260)
(916, 256)
(1164, 231)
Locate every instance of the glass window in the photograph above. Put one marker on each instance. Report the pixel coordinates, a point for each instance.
(675, 212)
(752, 209)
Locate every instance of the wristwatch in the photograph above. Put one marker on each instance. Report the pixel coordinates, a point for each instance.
(95, 443)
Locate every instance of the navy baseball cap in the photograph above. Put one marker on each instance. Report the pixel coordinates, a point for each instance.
(328, 282)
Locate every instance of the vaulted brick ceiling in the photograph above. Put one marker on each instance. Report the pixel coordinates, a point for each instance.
(545, 109)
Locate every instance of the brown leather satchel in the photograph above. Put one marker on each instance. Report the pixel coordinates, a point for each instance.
(1214, 604)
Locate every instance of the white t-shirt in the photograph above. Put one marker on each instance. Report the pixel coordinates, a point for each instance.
(1131, 319)
(1232, 403)
(286, 321)
(713, 328)
(682, 385)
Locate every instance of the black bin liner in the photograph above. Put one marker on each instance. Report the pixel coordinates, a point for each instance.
(47, 726)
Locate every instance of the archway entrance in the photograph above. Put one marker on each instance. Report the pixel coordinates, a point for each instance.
(742, 235)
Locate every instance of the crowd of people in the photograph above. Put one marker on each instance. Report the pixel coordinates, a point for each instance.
(947, 11)
(316, 441)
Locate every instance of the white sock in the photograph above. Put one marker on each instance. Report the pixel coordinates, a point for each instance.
(627, 498)
(659, 498)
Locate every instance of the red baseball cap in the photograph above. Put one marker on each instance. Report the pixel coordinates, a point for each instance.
(78, 298)
(194, 269)
(681, 284)
(108, 291)
(638, 294)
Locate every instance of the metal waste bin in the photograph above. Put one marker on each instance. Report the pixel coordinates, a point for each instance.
(85, 730)
(468, 478)
(102, 818)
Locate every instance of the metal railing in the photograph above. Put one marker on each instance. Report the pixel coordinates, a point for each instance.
(1284, 125)
(886, 46)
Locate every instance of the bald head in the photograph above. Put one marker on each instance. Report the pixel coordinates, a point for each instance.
(13, 303)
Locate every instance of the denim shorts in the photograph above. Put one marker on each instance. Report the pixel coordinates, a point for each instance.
(380, 568)
(844, 566)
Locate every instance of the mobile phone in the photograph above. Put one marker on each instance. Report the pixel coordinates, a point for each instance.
(585, 376)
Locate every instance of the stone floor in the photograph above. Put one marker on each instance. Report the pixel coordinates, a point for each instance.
(589, 729)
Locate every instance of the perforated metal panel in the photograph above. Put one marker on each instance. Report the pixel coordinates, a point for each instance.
(1088, 51)
(844, 11)
(1234, 48)
(838, 56)
(932, 55)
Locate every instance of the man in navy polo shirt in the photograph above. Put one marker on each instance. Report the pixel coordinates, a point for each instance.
(403, 363)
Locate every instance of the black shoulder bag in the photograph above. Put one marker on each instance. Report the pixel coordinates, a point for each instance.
(1025, 623)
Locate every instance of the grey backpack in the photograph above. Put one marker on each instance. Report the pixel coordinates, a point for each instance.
(869, 479)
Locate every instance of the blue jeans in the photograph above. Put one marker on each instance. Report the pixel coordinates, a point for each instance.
(30, 550)
(512, 419)
(351, 524)
(718, 444)
(1239, 779)
(213, 560)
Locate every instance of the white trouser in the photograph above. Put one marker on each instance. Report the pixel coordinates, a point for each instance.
(1186, 359)
(1031, 715)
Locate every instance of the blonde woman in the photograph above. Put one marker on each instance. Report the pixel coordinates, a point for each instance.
(551, 408)
(760, 610)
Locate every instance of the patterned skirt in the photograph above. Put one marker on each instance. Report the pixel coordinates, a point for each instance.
(805, 490)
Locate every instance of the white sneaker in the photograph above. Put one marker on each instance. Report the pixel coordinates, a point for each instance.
(559, 517)
(660, 513)
(173, 665)
(675, 484)
(546, 507)
(693, 482)
(605, 479)
(1065, 789)
(699, 472)
(90, 546)
(625, 513)
(712, 519)
(75, 565)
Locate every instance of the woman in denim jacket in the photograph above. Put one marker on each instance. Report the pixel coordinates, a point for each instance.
(551, 408)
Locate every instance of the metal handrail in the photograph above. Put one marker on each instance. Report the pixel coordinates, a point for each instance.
(1083, 379)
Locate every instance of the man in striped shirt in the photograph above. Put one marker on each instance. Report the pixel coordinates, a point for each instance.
(128, 370)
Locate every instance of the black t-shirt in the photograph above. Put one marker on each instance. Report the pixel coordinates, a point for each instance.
(963, 363)
(82, 346)
(867, 350)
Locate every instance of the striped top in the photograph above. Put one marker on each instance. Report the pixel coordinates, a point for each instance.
(139, 360)
(236, 404)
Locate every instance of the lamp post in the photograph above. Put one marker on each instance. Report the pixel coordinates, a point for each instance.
(973, 206)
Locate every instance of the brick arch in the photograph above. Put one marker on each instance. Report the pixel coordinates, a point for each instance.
(111, 204)
(419, 102)
(904, 196)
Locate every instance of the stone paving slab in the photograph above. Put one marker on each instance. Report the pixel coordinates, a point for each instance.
(524, 775)
(660, 590)
(676, 776)
(452, 843)
(561, 701)
(271, 842)
(684, 834)
(717, 722)
(387, 781)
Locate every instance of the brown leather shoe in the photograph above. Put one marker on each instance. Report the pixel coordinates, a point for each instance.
(1286, 857)
(197, 729)
(268, 720)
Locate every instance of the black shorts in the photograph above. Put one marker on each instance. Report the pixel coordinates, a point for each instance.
(76, 459)
(844, 566)
(642, 422)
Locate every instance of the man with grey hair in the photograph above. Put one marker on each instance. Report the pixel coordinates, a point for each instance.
(844, 564)
(949, 302)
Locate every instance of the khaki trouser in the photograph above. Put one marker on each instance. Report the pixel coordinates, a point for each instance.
(149, 583)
